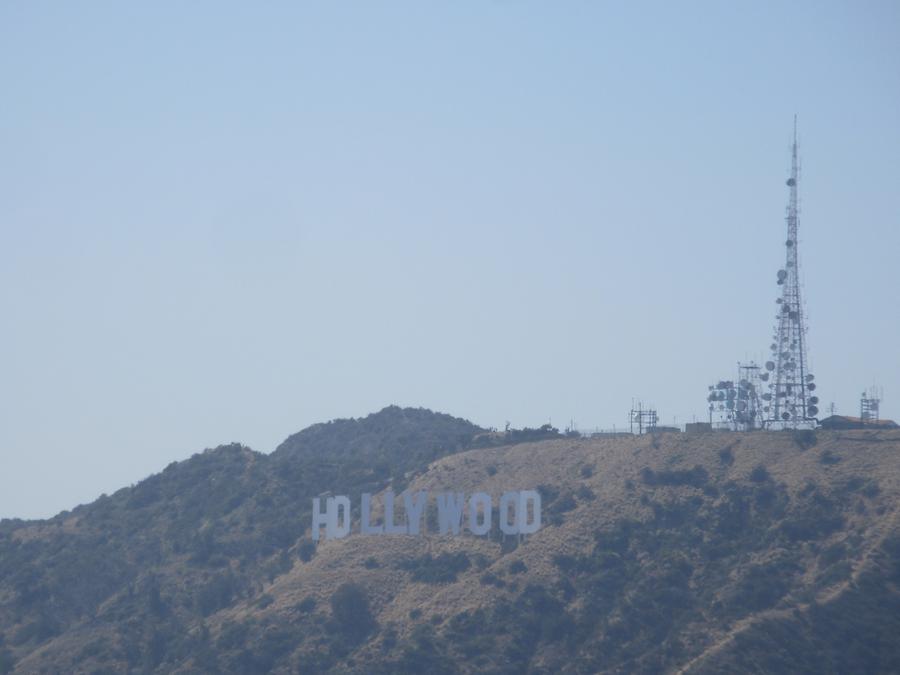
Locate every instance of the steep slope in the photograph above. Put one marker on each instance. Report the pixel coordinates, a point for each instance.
(122, 582)
(715, 553)
(763, 552)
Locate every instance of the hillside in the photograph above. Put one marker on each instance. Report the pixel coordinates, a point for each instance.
(763, 552)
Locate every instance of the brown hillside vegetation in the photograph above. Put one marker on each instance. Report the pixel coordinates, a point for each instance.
(673, 553)
(840, 506)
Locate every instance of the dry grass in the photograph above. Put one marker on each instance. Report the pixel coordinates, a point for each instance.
(616, 465)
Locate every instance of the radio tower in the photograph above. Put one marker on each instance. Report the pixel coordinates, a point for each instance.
(789, 403)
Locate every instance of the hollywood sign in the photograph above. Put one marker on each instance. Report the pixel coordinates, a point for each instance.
(519, 513)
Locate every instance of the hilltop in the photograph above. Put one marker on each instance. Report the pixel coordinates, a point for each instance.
(719, 552)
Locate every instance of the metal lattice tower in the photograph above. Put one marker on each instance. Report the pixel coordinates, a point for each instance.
(869, 403)
(736, 404)
(644, 418)
(789, 403)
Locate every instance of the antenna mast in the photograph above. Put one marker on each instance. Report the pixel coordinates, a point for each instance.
(789, 404)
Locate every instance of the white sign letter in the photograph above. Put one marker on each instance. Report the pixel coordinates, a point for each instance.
(509, 499)
(338, 527)
(319, 518)
(365, 517)
(486, 508)
(389, 527)
(522, 514)
(414, 509)
(450, 510)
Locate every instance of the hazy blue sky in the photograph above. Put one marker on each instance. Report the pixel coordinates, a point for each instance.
(226, 221)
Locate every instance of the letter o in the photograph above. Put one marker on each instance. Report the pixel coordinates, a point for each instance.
(484, 500)
(509, 499)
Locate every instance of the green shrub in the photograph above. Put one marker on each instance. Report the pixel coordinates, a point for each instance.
(215, 593)
(759, 474)
(306, 605)
(7, 662)
(351, 613)
(828, 458)
(306, 550)
(233, 635)
(805, 438)
(443, 568)
(585, 493)
(695, 477)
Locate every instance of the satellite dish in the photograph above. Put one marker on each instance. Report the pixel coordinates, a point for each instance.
(764, 377)
(770, 365)
(767, 397)
(785, 416)
(813, 400)
(766, 409)
(810, 377)
(812, 410)
(782, 274)
(811, 386)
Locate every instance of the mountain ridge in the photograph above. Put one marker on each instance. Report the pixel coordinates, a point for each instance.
(660, 553)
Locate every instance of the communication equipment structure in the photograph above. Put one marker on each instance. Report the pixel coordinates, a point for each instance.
(790, 402)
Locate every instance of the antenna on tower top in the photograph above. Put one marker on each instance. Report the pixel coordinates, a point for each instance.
(790, 402)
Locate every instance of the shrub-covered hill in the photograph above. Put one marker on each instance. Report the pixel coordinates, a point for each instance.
(763, 552)
(417, 433)
(123, 583)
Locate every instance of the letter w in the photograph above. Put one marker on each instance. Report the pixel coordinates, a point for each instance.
(450, 510)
